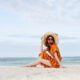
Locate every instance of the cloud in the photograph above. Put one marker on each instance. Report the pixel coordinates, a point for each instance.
(23, 22)
(37, 17)
(19, 39)
(21, 47)
(44, 11)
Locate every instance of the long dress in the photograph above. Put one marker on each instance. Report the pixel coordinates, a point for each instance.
(45, 55)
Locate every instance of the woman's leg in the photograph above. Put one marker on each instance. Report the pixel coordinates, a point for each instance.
(46, 62)
(35, 63)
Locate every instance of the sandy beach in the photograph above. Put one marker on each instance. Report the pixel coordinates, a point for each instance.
(39, 73)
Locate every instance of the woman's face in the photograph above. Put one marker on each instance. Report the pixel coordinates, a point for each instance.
(50, 40)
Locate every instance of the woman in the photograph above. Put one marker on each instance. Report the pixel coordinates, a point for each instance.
(49, 57)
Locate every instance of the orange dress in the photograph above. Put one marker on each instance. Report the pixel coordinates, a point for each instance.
(52, 60)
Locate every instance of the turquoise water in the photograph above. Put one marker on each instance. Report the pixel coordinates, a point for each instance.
(22, 61)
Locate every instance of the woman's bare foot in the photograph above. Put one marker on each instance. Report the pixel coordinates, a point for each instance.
(29, 66)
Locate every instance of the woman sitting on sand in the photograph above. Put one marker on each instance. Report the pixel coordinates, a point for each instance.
(50, 57)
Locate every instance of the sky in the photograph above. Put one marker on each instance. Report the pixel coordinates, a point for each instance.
(23, 22)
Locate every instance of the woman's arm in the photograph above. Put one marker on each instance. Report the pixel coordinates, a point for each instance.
(58, 60)
(41, 47)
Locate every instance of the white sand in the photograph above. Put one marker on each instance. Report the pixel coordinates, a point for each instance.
(39, 73)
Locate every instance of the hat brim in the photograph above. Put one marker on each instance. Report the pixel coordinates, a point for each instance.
(52, 34)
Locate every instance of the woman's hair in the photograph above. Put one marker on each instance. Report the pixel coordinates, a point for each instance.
(46, 42)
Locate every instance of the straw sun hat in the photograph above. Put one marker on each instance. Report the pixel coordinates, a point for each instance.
(43, 38)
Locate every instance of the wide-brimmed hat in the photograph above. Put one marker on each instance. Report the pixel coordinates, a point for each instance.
(43, 38)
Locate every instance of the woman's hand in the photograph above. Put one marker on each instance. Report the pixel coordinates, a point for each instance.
(41, 47)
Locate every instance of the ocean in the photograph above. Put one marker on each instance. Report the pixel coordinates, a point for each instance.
(16, 61)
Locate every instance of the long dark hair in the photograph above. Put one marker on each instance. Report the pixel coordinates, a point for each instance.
(46, 43)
